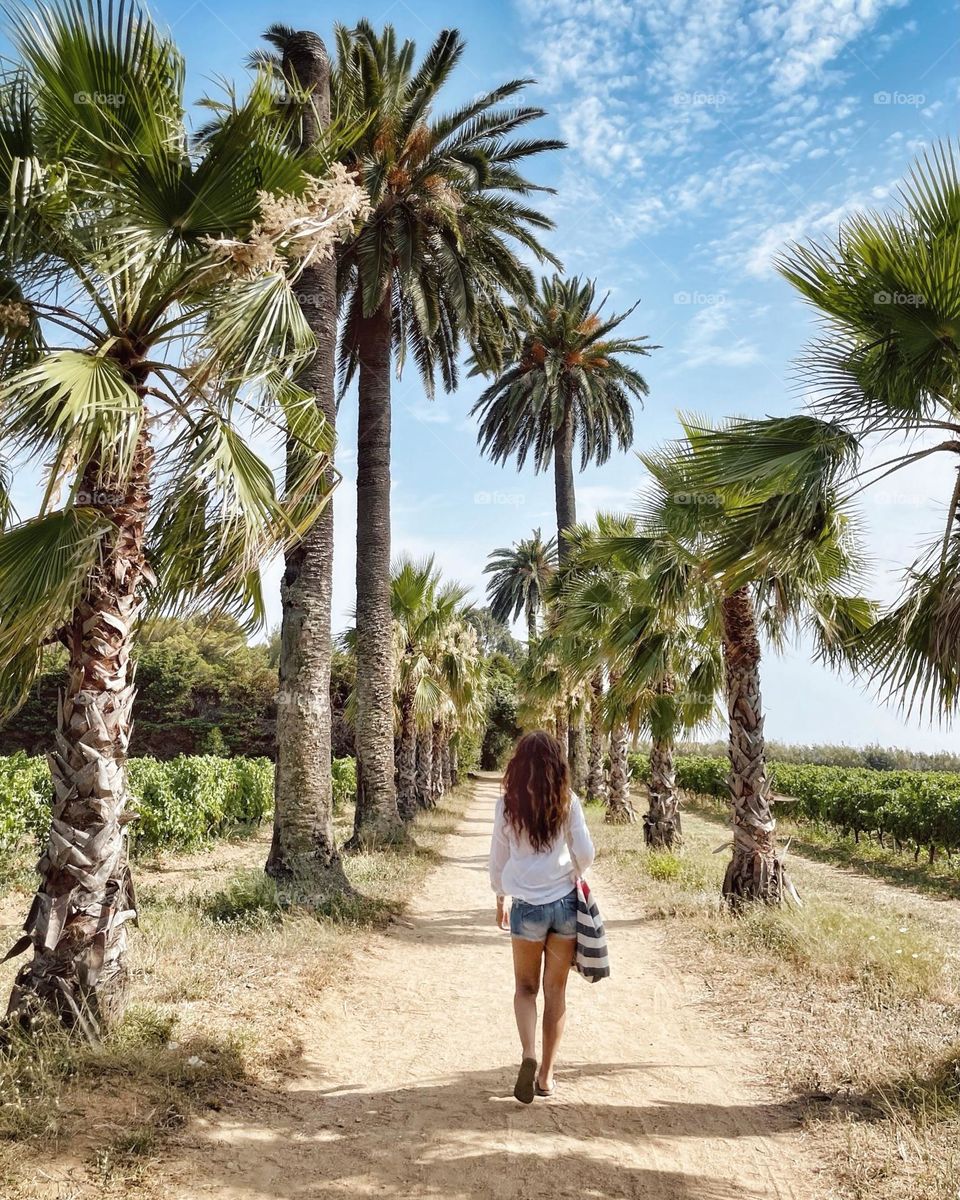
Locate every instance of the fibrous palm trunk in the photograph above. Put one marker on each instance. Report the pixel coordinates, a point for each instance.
(436, 766)
(377, 819)
(578, 753)
(756, 871)
(531, 614)
(661, 824)
(454, 765)
(77, 924)
(447, 765)
(619, 809)
(303, 855)
(562, 726)
(407, 759)
(425, 767)
(565, 494)
(596, 789)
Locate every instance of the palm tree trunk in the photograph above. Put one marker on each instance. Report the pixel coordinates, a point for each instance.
(407, 759)
(454, 765)
(563, 728)
(436, 766)
(661, 825)
(620, 811)
(566, 499)
(303, 854)
(578, 753)
(595, 781)
(531, 621)
(447, 765)
(755, 872)
(377, 819)
(77, 924)
(425, 766)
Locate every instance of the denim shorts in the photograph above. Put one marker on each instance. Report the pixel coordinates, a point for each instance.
(533, 922)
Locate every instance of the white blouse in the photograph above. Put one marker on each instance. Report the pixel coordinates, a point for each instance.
(539, 876)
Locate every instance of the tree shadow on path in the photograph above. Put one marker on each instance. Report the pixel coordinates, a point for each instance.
(467, 1137)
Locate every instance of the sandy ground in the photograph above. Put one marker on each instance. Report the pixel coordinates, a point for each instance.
(408, 1070)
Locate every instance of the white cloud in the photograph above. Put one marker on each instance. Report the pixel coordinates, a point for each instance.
(709, 341)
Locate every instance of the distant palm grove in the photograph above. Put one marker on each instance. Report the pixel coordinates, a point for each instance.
(180, 297)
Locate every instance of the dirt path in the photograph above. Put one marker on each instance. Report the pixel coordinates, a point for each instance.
(408, 1072)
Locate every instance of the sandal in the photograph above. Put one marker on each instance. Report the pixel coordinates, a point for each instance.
(524, 1087)
(546, 1093)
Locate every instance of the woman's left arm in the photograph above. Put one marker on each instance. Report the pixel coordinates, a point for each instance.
(499, 850)
(580, 843)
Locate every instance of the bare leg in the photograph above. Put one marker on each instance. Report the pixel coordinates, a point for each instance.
(526, 972)
(557, 964)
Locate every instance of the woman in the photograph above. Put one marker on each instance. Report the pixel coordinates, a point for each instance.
(541, 844)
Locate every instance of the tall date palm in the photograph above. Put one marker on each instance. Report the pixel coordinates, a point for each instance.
(303, 853)
(520, 575)
(448, 221)
(561, 381)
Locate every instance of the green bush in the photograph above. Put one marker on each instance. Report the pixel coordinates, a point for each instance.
(344, 783)
(24, 801)
(917, 809)
(182, 804)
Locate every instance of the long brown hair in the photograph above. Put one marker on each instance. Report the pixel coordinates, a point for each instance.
(536, 789)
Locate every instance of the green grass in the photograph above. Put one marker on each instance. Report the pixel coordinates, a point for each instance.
(249, 897)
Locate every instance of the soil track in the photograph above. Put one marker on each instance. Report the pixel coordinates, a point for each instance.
(408, 1069)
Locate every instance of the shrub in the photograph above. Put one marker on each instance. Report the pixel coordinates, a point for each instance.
(919, 809)
(182, 804)
(344, 783)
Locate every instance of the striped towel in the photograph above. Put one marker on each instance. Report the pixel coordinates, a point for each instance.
(593, 961)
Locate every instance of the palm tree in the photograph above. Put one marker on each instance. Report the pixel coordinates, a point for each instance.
(423, 609)
(561, 379)
(714, 549)
(462, 673)
(521, 573)
(885, 366)
(708, 566)
(664, 670)
(448, 216)
(303, 852)
(120, 253)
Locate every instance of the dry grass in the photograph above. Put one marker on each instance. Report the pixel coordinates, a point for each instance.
(849, 1003)
(222, 970)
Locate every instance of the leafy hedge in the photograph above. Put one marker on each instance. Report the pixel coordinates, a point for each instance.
(912, 808)
(182, 803)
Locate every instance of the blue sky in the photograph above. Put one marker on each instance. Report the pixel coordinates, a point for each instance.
(703, 136)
